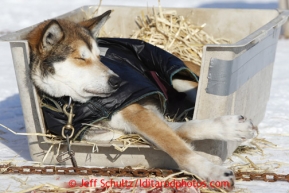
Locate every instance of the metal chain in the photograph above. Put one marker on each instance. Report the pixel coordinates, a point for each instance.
(51, 170)
(266, 176)
(128, 172)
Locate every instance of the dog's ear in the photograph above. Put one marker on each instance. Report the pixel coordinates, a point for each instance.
(95, 24)
(52, 34)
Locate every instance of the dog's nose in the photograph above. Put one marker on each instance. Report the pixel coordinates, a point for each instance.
(114, 81)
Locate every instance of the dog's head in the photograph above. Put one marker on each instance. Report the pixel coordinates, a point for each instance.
(65, 61)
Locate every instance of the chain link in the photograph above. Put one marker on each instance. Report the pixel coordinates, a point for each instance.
(128, 172)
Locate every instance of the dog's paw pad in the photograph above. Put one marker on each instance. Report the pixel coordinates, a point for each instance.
(230, 173)
(242, 119)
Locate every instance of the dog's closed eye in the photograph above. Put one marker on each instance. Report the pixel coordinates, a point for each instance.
(78, 58)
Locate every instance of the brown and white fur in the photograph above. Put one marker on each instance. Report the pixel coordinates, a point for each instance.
(64, 61)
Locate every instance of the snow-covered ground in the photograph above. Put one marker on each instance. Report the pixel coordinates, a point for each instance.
(17, 14)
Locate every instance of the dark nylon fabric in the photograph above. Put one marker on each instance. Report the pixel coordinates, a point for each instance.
(146, 70)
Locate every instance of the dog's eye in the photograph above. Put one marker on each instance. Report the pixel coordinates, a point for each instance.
(80, 59)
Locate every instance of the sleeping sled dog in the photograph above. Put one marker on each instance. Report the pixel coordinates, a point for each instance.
(65, 61)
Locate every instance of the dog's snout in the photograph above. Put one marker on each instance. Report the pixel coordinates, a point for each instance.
(114, 81)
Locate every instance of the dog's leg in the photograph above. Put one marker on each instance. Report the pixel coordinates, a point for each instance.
(187, 86)
(227, 128)
(147, 123)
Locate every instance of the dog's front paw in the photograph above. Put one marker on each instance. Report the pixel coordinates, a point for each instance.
(221, 177)
(215, 176)
(235, 128)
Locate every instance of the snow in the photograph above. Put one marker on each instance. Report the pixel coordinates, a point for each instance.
(17, 14)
